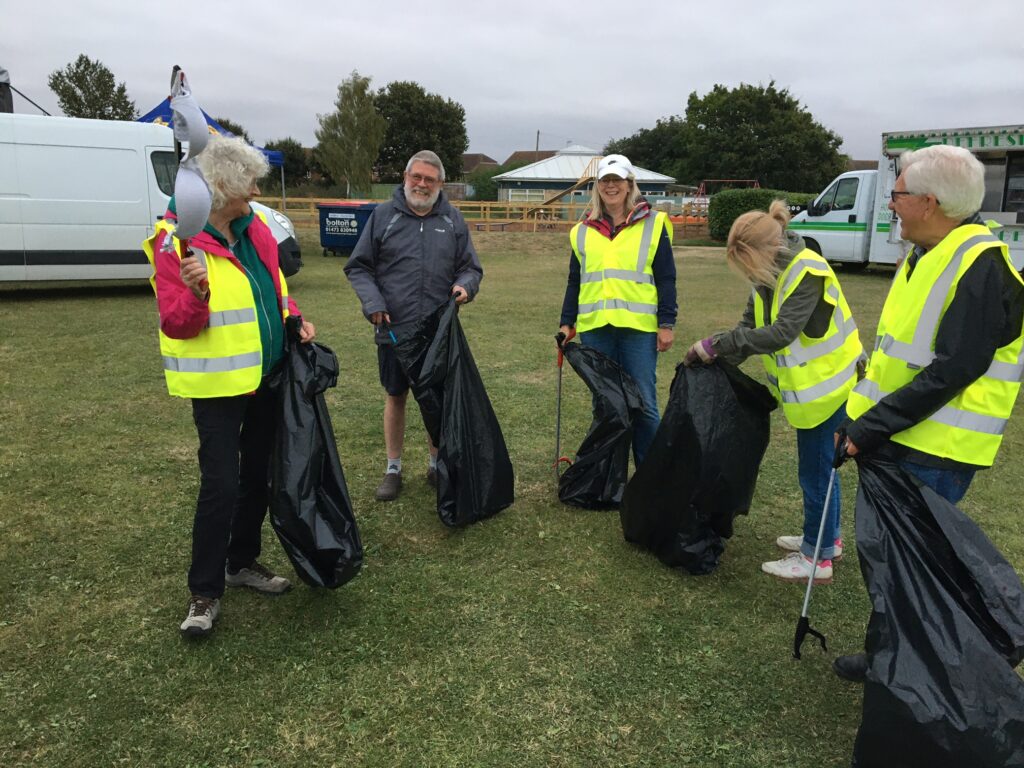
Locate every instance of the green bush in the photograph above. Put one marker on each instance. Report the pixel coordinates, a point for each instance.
(730, 203)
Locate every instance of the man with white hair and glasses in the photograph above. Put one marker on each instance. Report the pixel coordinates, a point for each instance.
(949, 351)
(414, 252)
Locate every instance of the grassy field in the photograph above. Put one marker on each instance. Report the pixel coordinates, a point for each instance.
(536, 638)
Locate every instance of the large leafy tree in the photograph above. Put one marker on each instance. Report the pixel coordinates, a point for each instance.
(86, 88)
(296, 163)
(658, 149)
(349, 138)
(419, 120)
(758, 132)
(232, 127)
(748, 132)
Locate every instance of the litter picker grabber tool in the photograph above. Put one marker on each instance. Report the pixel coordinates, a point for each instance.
(803, 625)
(560, 339)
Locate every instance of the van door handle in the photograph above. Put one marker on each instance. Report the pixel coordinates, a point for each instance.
(853, 218)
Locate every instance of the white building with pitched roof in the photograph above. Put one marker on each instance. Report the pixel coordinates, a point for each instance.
(541, 180)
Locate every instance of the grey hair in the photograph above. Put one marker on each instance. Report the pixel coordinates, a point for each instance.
(230, 167)
(952, 174)
(428, 157)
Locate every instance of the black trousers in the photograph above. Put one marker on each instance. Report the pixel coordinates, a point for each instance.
(236, 436)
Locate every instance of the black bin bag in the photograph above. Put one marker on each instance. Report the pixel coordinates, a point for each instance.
(474, 472)
(945, 633)
(310, 508)
(597, 477)
(701, 469)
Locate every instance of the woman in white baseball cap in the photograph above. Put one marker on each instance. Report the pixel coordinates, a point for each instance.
(621, 292)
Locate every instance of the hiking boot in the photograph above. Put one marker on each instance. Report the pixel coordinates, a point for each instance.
(853, 667)
(797, 568)
(432, 477)
(390, 487)
(793, 544)
(258, 577)
(202, 612)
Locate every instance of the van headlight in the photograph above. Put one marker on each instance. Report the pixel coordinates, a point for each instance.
(285, 222)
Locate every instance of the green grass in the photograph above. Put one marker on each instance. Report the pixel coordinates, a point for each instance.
(536, 638)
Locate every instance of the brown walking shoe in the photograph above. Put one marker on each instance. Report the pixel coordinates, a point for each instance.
(390, 487)
(432, 477)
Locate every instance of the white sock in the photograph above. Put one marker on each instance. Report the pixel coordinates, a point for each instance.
(432, 461)
(394, 465)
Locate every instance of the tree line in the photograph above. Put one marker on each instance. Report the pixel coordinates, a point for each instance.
(748, 132)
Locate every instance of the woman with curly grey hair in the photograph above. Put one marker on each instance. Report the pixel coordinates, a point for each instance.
(222, 310)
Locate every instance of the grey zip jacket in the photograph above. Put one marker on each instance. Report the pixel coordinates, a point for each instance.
(406, 265)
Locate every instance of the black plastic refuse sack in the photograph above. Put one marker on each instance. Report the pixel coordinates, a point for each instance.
(597, 477)
(474, 472)
(701, 469)
(945, 633)
(310, 509)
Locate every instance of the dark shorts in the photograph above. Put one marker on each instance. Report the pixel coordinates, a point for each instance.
(392, 377)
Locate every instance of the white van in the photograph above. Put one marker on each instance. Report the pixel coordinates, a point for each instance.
(78, 197)
(850, 222)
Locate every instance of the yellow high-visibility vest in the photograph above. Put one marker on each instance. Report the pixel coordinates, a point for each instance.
(969, 428)
(811, 377)
(617, 276)
(226, 357)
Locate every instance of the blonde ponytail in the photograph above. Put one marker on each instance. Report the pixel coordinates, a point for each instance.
(754, 240)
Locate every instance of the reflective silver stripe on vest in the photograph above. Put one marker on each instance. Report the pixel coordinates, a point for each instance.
(1012, 372)
(822, 388)
(1006, 371)
(632, 306)
(284, 302)
(772, 380)
(918, 353)
(231, 317)
(617, 274)
(645, 241)
(797, 269)
(212, 364)
(581, 239)
(801, 355)
(947, 415)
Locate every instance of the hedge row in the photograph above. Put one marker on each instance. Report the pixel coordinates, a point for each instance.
(730, 203)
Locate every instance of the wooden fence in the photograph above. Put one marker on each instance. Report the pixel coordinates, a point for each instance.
(485, 216)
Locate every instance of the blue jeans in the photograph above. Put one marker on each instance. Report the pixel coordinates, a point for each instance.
(950, 484)
(637, 353)
(815, 449)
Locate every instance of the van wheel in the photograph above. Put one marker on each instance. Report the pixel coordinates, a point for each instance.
(812, 245)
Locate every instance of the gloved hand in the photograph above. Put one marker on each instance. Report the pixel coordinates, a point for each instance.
(700, 351)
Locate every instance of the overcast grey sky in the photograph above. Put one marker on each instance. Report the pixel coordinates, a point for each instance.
(585, 72)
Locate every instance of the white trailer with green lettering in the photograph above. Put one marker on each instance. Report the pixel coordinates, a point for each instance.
(850, 222)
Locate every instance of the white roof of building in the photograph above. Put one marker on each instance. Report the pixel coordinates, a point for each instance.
(568, 165)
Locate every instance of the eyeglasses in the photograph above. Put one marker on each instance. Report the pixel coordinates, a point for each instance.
(611, 179)
(419, 178)
(894, 194)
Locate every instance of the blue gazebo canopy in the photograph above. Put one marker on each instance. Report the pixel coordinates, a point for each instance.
(161, 115)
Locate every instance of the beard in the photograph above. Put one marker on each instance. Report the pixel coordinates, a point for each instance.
(417, 201)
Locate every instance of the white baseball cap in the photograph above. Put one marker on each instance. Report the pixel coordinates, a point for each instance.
(617, 165)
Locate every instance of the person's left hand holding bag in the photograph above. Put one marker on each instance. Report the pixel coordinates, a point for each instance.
(702, 351)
